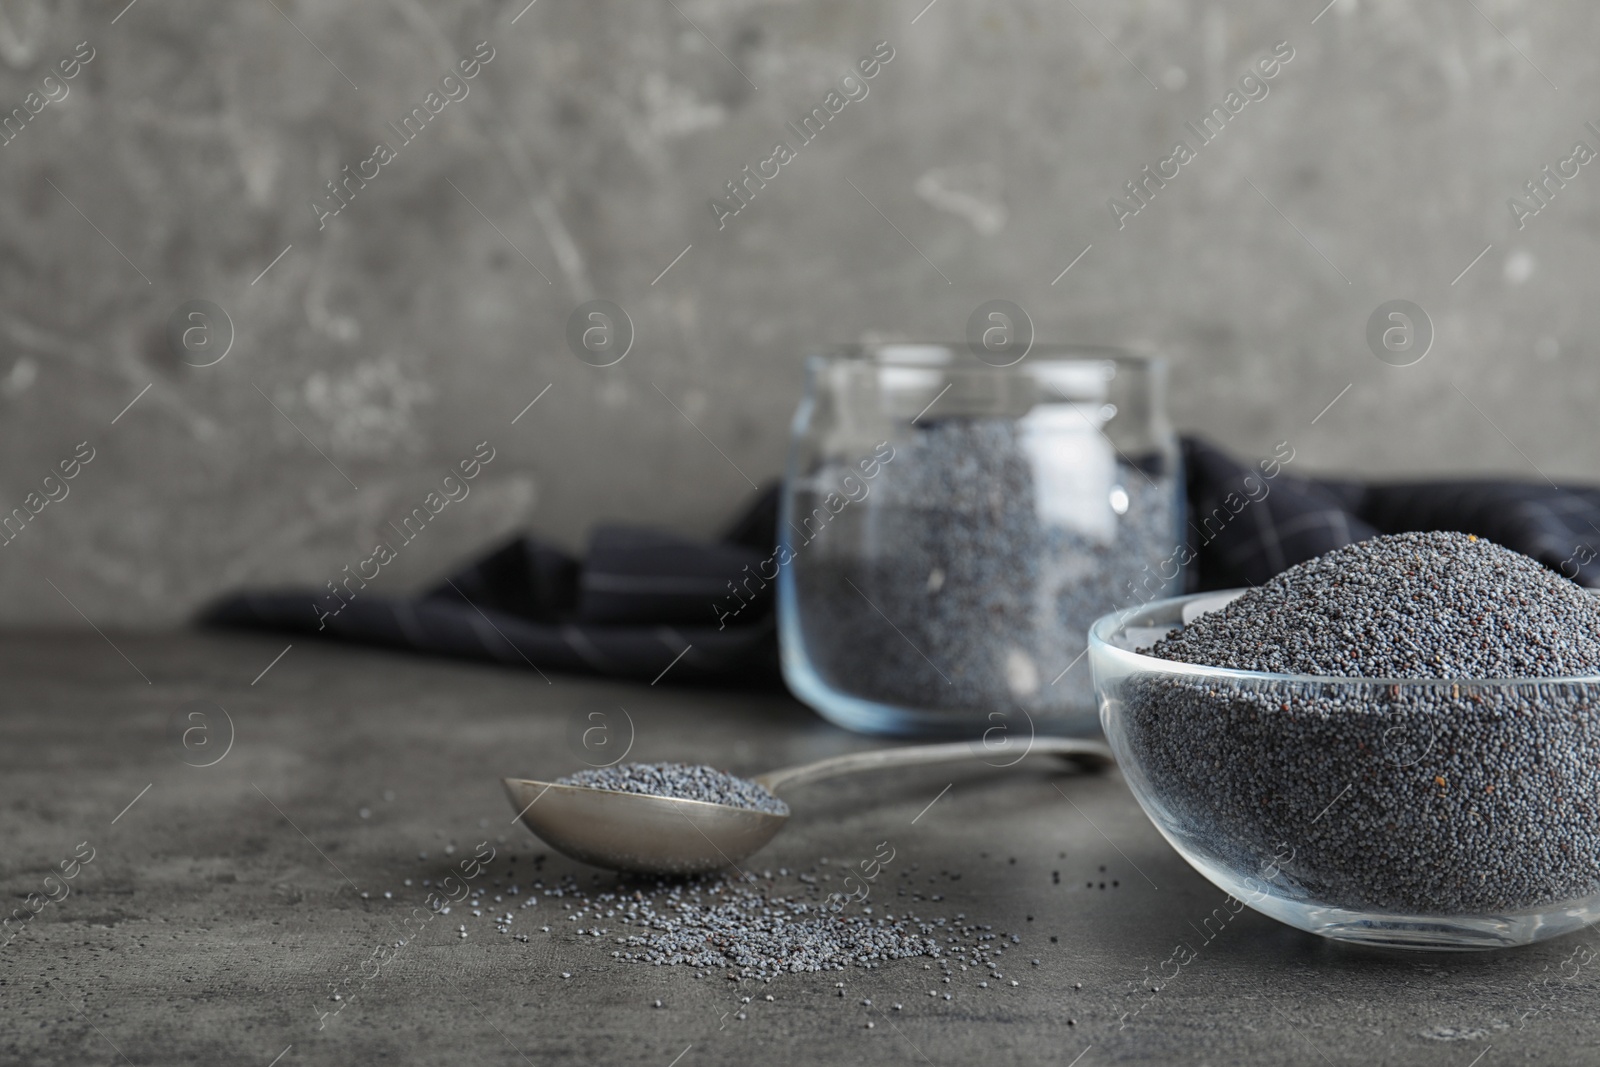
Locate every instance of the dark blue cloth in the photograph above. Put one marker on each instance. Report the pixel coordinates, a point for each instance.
(1270, 524)
(639, 603)
(643, 604)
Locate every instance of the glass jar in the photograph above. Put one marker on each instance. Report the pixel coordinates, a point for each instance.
(950, 529)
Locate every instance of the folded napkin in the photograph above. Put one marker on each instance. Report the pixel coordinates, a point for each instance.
(639, 603)
(647, 605)
(1248, 526)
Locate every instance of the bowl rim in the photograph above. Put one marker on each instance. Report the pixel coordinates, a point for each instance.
(1100, 646)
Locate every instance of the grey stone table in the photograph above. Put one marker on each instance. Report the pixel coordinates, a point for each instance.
(221, 907)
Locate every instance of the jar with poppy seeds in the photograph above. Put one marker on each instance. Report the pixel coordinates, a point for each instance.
(950, 528)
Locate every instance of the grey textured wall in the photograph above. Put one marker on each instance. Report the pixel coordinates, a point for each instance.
(422, 318)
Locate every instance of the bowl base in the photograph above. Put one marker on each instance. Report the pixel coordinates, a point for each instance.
(1455, 933)
(1393, 931)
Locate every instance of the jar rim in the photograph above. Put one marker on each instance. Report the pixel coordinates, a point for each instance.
(947, 355)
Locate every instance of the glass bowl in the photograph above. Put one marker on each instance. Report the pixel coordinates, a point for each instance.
(1443, 813)
(950, 529)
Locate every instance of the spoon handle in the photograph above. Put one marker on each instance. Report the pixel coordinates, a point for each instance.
(1091, 754)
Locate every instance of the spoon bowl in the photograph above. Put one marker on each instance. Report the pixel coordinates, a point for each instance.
(646, 834)
(640, 833)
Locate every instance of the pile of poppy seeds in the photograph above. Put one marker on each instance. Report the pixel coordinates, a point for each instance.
(747, 926)
(1457, 797)
(746, 930)
(680, 781)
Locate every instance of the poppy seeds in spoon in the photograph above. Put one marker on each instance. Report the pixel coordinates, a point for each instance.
(680, 781)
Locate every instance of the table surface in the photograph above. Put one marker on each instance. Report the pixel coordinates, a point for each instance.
(225, 904)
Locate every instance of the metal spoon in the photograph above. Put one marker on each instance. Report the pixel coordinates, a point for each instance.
(664, 835)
